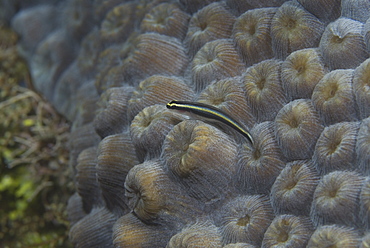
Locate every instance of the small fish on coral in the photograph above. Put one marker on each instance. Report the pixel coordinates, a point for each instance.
(294, 74)
(210, 113)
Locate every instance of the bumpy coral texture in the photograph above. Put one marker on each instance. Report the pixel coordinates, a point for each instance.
(293, 73)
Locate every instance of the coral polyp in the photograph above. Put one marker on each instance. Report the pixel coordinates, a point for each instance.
(335, 91)
(294, 28)
(263, 89)
(167, 19)
(336, 199)
(251, 34)
(118, 23)
(334, 235)
(115, 157)
(365, 202)
(326, 10)
(335, 148)
(342, 44)
(288, 231)
(137, 66)
(228, 95)
(112, 103)
(262, 161)
(200, 234)
(301, 71)
(149, 192)
(194, 151)
(361, 88)
(245, 219)
(362, 146)
(216, 60)
(150, 127)
(158, 89)
(86, 184)
(130, 231)
(210, 23)
(94, 229)
(292, 191)
(297, 128)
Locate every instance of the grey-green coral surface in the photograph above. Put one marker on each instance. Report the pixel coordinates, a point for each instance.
(295, 74)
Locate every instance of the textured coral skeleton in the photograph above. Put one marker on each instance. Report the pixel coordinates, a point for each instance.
(295, 73)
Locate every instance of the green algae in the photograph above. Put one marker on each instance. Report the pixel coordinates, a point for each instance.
(35, 181)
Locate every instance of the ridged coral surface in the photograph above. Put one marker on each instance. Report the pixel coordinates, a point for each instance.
(293, 73)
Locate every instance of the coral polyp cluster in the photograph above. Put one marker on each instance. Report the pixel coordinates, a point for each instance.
(295, 74)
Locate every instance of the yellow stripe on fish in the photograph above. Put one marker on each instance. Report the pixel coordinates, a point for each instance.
(211, 112)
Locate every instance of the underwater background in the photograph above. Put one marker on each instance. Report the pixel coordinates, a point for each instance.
(296, 74)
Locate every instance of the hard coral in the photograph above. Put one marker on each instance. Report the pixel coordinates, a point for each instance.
(296, 76)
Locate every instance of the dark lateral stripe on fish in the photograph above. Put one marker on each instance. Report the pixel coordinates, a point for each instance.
(211, 112)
